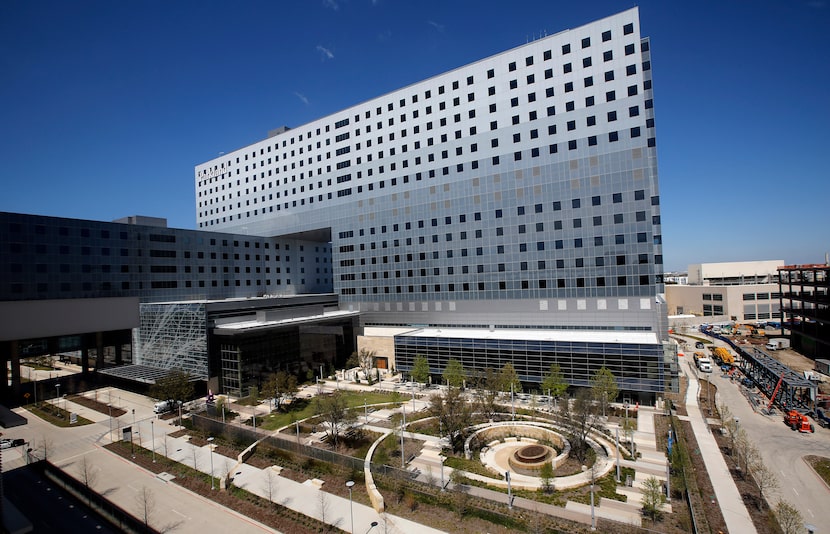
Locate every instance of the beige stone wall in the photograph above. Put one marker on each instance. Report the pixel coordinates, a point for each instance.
(383, 346)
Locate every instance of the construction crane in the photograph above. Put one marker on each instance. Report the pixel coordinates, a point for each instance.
(775, 392)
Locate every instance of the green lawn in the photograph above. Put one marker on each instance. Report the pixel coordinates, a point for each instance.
(302, 408)
(56, 416)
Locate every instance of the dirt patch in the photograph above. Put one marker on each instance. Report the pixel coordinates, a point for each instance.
(758, 510)
(98, 406)
(707, 492)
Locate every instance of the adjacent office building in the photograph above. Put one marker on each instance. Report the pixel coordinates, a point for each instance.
(517, 194)
(744, 291)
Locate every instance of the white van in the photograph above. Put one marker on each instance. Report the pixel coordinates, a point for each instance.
(163, 407)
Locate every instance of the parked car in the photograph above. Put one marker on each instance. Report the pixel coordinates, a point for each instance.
(9, 443)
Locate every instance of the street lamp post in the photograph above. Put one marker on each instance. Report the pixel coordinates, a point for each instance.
(109, 406)
(442, 458)
(132, 433)
(57, 395)
(350, 485)
(403, 422)
(210, 451)
(153, 439)
(509, 491)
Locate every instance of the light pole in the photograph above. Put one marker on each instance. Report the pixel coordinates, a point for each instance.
(442, 458)
(509, 491)
(350, 485)
(403, 422)
(109, 406)
(593, 517)
(57, 396)
(210, 451)
(132, 433)
(617, 446)
(153, 439)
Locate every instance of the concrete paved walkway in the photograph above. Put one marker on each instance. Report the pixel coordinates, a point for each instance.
(731, 504)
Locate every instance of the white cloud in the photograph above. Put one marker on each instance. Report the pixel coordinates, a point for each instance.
(331, 4)
(302, 97)
(439, 27)
(326, 53)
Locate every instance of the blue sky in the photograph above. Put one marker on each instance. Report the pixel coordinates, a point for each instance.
(105, 107)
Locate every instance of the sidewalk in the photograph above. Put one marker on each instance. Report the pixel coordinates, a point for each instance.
(308, 498)
(734, 511)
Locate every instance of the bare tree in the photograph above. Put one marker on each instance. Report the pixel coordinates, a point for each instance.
(365, 360)
(580, 420)
(789, 518)
(46, 447)
(87, 472)
(271, 483)
(746, 452)
(146, 504)
(765, 479)
(486, 393)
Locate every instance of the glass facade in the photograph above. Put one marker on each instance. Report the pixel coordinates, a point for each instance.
(637, 367)
(173, 335)
(522, 187)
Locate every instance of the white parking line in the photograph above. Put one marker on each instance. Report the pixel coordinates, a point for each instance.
(796, 493)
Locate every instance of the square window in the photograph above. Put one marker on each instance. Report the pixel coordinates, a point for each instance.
(586, 62)
(551, 111)
(548, 74)
(596, 201)
(512, 66)
(589, 101)
(569, 86)
(569, 106)
(597, 220)
(632, 90)
(635, 132)
(618, 218)
(571, 125)
(592, 140)
(617, 198)
(609, 75)
(547, 55)
(610, 96)
(633, 111)
(628, 28)
(566, 49)
(491, 73)
(631, 70)
(572, 144)
(629, 49)
(575, 203)
(589, 81)
(592, 120)
(552, 129)
(586, 42)
(606, 36)
(612, 116)
(529, 61)
(514, 84)
(613, 137)
(566, 68)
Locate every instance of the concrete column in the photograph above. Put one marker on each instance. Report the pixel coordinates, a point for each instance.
(118, 354)
(99, 351)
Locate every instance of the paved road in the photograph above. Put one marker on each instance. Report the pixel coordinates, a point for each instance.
(783, 451)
